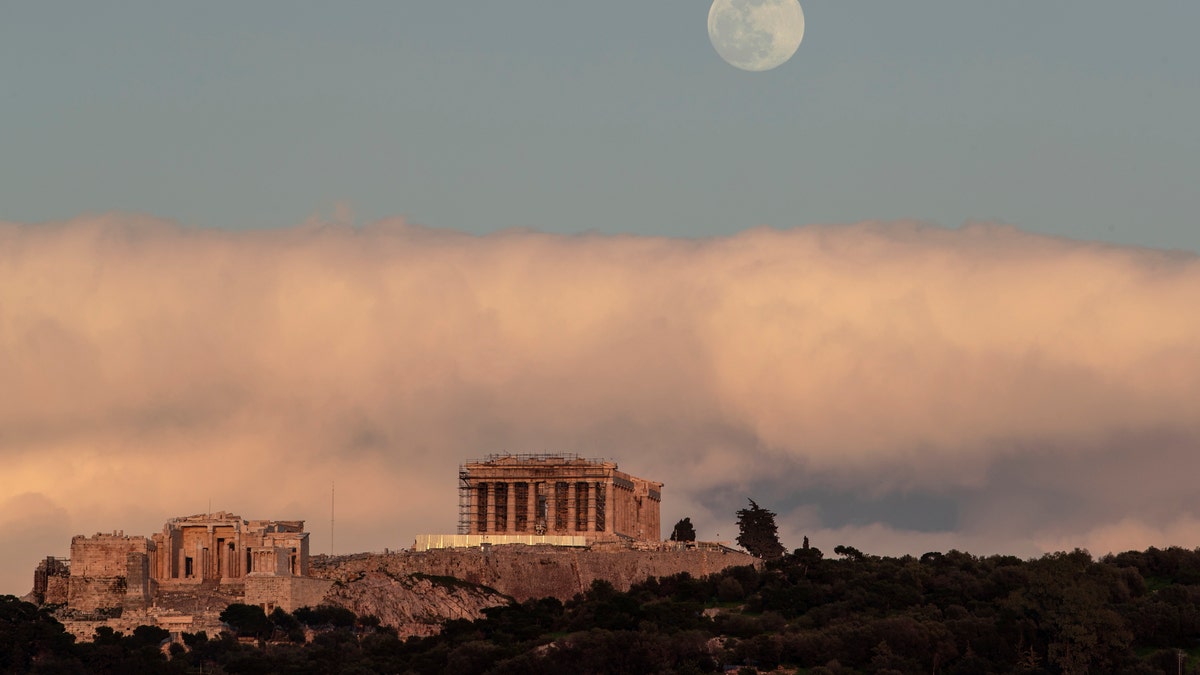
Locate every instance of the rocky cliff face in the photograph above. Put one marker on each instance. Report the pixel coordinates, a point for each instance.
(416, 591)
(413, 604)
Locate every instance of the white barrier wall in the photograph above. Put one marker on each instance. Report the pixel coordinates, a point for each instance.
(426, 542)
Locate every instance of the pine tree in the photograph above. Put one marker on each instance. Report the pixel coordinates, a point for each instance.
(758, 533)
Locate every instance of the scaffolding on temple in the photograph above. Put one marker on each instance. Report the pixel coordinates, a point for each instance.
(555, 495)
(464, 500)
(560, 506)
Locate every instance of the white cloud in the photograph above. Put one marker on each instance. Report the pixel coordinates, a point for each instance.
(148, 368)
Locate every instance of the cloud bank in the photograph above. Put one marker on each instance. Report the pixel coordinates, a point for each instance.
(892, 386)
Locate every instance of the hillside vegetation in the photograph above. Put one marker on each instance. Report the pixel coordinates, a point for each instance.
(1137, 612)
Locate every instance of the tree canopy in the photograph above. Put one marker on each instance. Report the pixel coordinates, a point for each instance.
(953, 613)
(758, 533)
(683, 531)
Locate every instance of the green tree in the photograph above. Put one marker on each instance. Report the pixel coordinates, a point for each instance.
(758, 533)
(683, 531)
(246, 620)
(729, 590)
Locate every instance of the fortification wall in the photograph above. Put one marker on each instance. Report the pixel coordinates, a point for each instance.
(103, 567)
(103, 555)
(56, 590)
(90, 594)
(176, 623)
(525, 572)
(288, 593)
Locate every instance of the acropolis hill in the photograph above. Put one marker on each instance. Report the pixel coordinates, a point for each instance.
(530, 526)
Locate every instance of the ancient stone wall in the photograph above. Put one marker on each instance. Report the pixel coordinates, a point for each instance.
(100, 571)
(85, 630)
(91, 594)
(139, 590)
(103, 555)
(288, 593)
(307, 592)
(191, 598)
(56, 590)
(50, 582)
(525, 572)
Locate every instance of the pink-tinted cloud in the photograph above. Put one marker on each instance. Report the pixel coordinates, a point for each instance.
(148, 368)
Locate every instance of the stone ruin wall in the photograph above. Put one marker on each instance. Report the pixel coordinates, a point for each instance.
(51, 581)
(525, 572)
(408, 590)
(109, 571)
(110, 578)
(56, 591)
(287, 593)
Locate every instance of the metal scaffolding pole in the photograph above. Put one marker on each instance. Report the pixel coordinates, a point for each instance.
(464, 501)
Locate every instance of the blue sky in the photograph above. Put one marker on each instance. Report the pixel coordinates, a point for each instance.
(1067, 118)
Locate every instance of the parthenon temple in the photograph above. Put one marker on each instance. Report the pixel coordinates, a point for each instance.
(556, 495)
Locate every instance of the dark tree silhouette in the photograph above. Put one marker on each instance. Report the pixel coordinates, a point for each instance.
(684, 531)
(246, 620)
(758, 533)
(1135, 612)
(848, 552)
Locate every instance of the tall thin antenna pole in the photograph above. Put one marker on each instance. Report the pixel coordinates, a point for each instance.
(331, 495)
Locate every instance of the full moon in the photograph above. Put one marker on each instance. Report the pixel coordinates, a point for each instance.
(755, 35)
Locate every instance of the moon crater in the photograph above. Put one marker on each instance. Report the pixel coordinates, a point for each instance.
(755, 35)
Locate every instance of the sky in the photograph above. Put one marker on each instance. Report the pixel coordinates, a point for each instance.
(931, 284)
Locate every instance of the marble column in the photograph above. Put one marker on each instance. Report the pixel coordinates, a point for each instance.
(610, 523)
(572, 496)
(512, 508)
(591, 507)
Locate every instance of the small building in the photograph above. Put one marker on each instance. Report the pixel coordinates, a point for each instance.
(556, 495)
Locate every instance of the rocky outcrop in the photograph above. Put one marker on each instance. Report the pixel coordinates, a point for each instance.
(525, 572)
(415, 592)
(413, 604)
(534, 572)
